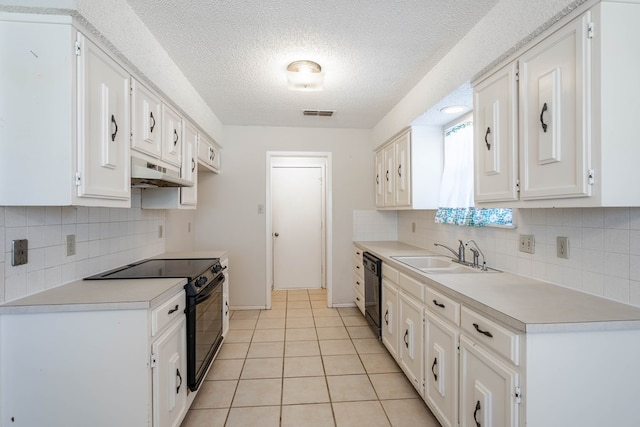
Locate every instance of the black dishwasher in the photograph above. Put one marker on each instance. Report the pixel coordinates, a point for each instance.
(372, 290)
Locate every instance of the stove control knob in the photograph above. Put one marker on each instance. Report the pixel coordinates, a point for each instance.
(201, 281)
(216, 268)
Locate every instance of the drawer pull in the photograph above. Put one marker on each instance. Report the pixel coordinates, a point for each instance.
(226, 304)
(487, 333)
(435, 363)
(475, 413)
(173, 310)
(180, 378)
(544, 125)
(406, 334)
(435, 302)
(386, 317)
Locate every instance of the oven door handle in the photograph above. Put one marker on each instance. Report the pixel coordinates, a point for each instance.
(209, 289)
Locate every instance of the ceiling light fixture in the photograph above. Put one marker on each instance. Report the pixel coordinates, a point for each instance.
(305, 76)
(453, 109)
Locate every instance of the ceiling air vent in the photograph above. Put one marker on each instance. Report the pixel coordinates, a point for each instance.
(318, 113)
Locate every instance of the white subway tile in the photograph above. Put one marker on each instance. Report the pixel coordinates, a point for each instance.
(53, 277)
(35, 281)
(15, 287)
(36, 215)
(616, 218)
(15, 216)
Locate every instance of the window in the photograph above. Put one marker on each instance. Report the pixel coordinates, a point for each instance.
(456, 191)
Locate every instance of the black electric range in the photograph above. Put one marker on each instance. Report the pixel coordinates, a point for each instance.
(204, 303)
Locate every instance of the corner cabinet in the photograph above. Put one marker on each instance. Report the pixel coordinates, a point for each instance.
(408, 169)
(66, 103)
(571, 143)
(107, 367)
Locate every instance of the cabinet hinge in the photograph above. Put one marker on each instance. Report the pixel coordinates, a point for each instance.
(153, 361)
(77, 48)
(518, 395)
(590, 30)
(518, 185)
(77, 179)
(591, 176)
(517, 75)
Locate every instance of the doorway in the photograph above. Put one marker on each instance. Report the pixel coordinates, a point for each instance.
(298, 221)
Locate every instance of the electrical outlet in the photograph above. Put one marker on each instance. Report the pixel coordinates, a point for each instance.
(562, 247)
(71, 244)
(19, 252)
(527, 243)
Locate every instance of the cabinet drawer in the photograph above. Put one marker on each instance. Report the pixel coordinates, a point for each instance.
(390, 273)
(443, 306)
(167, 312)
(412, 287)
(359, 299)
(357, 261)
(358, 284)
(490, 334)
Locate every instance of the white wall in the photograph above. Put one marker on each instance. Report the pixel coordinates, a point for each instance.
(105, 238)
(227, 215)
(604, 246)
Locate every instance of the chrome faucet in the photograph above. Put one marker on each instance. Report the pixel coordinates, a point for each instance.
(459, 254)
(476, 253)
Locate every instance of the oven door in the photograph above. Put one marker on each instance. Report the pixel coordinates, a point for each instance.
(204, 330)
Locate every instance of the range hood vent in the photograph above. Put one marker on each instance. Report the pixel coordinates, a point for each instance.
(318, 113)
(145, 174)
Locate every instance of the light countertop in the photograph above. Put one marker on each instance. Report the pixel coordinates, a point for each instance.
(524, 303)
(121, 294)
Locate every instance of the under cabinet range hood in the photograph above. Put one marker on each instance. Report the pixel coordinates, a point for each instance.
(145, 174)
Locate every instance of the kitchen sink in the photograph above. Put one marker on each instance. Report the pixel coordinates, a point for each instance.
(439, 264)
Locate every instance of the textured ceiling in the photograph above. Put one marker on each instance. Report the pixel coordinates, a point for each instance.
(235, 53)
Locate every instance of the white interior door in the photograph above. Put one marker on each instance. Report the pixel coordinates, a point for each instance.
(297, 206)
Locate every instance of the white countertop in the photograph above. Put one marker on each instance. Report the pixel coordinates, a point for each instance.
(121, 294)
(524, 303)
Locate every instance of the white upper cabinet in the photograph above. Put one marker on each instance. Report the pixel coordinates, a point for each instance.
(189, 195)
(65, 117)
(577, 101)
(408, 169)
(208, 154)
(171, 136)
(103, 122)
(496, 137)
(146, 127)
(554, 96)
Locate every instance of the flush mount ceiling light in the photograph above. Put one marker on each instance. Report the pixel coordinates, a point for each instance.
(453, 109)
(305, 76)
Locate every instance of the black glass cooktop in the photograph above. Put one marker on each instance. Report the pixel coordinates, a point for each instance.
(158, 268)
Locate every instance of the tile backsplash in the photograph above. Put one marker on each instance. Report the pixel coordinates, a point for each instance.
(375, 225)
(105, 239)
(604, 246)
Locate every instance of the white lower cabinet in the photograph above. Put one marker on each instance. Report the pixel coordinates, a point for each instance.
(411, 334)
(169, 367)
(99, 368)
(441, 369)
(389, 313)
(489, 394)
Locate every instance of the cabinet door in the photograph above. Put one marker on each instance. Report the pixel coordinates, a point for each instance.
(389, 177)
(402, 170)
(389, 311)
(103, 123)
(488, 389)
(441, 369)
(495, 116)
(170, 376)
(145, 120)
(189, 171)
(411, 334)
(225, 298)
(379, 178)
(171, 136)
(554, 115)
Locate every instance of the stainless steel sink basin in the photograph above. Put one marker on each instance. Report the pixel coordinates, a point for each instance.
(439, 264)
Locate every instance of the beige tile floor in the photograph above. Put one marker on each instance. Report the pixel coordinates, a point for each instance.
(303, 364)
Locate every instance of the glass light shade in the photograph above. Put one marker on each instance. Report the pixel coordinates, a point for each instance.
(305, 76)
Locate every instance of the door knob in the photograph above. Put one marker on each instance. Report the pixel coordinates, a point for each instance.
(276, 234)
